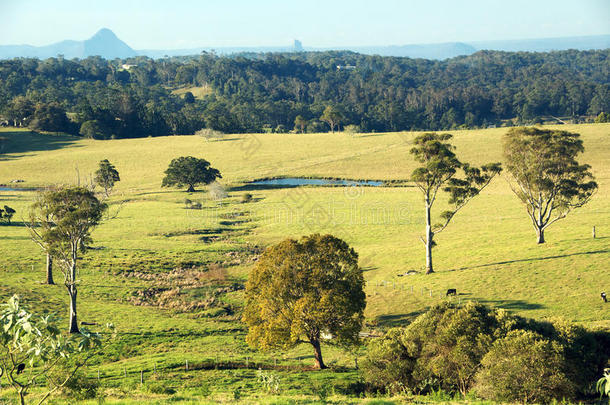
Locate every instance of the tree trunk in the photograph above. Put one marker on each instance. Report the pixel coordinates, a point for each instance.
(318, 354)
(73, 316)
(429, 240)
(540, 234)
(50, 270)
(71, 284)
(191, 188)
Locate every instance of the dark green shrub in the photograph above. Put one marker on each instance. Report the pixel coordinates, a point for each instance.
(79, 387)
(246, 198)
(159, 387)
(524, 367)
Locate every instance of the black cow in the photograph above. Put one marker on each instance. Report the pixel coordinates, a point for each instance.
(20, 368)
(604, 297)
(451, 291)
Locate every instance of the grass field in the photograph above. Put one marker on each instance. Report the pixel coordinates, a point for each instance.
(489, 252)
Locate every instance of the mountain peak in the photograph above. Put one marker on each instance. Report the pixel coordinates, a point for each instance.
(105, 33)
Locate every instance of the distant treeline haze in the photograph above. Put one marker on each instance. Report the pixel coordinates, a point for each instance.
(267, 92)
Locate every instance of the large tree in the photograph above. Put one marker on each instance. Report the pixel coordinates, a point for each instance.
(61, 222)
(106, 175)
(438, 171)
(190, 171)
(300, 290)
(545, 174)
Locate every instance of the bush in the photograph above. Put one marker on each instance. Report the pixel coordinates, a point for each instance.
(159, 387)
(524, 367)
(209, 134)
(79, 387)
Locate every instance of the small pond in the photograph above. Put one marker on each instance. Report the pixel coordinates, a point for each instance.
(299, 181)
(14, 189)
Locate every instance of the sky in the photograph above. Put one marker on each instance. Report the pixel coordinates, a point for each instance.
(162, 24)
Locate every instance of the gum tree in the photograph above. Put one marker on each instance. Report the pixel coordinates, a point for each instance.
(545, 174)
(438, 172)
(61, 222)
(300, 290)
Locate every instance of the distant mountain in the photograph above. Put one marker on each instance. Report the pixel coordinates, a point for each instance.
(104, 43)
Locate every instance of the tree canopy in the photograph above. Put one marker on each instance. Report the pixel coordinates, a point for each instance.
(189, 171)
(303, 289)
(545, 174)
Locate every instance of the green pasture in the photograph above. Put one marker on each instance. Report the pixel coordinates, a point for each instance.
(488, 253)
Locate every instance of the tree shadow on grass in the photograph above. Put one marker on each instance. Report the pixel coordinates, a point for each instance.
(19, 143)
(512, 305)
(395, 320)
(533, 259)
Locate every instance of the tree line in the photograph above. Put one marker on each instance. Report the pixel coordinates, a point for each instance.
(284, 91)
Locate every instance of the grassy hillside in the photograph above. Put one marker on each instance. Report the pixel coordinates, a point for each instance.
(488, 253)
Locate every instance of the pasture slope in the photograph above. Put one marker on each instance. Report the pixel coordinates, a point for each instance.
(488, 253)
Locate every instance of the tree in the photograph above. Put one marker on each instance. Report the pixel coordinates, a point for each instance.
(545, 174)
(106, 175)
(438, 171)
(190, 171)
(61, 222)
(19, 110)
(300, 123)
(332, 117)
(602, 117)
(6, 214)
(92, 129)
(34, 342)
(51, 117)
(300, 290)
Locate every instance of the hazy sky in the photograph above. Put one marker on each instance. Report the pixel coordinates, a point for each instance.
(163, 24)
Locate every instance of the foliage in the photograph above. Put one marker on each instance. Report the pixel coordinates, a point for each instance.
(602, 117)
(299, 290)
(6, 214)
(546, 176)
(524, 367)
(93, 129)
(106, 176)
(603, 384)
(190, 171)
(34, 342)
(438, 171)
(459, 348)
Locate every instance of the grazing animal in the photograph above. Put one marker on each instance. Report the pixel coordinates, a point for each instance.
(604, 297)
(20, 368)
(451, 291)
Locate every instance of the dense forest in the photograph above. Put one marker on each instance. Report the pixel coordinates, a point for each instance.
(270, 92)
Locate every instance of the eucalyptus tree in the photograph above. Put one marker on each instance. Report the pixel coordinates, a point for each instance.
(438, 171)
(545, 174)
(61, 221)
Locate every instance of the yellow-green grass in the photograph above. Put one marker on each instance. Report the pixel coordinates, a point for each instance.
(198, 91)
(488, 253)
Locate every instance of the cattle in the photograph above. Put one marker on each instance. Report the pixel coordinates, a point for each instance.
(451, 291)
(20, 368)
(604, 297)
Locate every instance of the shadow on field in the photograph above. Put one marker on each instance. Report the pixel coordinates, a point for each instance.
(513, 305)
(533, 259)
(394, 320)
(23, 142)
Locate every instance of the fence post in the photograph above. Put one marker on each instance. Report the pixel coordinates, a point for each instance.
(186, 365)
(430, 293)
(593, 231)
(247, 362)
(98, 375)
(124, 372)
(141, 376)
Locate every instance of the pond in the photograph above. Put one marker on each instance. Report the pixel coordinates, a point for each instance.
(15, 189)
(300, 181)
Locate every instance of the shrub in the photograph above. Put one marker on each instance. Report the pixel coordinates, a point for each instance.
(524, 367)
(79, 387)
(159, 387)
(209, 134)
